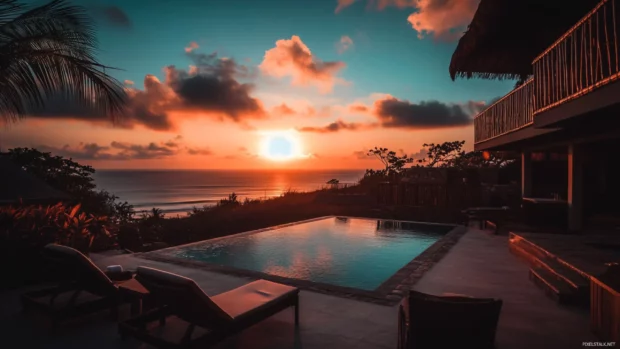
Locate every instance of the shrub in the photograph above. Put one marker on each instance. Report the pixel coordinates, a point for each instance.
(25, 230)
(37, 226)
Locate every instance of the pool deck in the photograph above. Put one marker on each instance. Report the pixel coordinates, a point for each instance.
(478, 265)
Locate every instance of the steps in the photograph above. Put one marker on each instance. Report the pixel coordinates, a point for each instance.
(558, 279)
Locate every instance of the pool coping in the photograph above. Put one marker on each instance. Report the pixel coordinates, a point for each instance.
(388, 293)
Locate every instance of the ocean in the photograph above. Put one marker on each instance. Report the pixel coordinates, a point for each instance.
(178, 191)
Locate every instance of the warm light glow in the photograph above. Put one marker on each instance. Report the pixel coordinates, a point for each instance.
(281, 145)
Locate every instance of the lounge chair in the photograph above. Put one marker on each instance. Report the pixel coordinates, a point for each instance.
(445, 322)
(221, 316)
(82, 287)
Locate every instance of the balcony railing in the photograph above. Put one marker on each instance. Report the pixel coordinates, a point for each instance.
(513, 112)
(583, 59)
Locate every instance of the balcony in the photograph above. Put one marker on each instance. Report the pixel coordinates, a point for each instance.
(573, 77)
(582, 60)
(511, 113)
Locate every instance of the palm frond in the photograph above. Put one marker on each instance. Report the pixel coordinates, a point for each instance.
(50, 50)
(9, 9)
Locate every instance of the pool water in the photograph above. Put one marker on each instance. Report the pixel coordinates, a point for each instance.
(349, 252)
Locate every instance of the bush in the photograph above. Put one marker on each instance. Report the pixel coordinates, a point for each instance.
(37, 226)
(25, 230)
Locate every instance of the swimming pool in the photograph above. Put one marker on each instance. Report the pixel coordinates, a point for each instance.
(355, 253)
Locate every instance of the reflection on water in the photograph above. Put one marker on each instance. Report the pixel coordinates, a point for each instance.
(351, 252)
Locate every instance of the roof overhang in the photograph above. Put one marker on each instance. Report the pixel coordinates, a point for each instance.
(505, 36)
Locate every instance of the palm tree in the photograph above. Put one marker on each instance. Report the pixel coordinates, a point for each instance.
(47, 51)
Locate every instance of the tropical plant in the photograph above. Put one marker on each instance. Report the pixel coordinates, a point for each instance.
(231, 201)
(155, 214)
(48, 51)
(35, 226)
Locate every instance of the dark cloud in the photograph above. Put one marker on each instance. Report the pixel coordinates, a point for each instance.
(336, 126)
(211, 86)
(114, 15)
(85, 151)
(393, 112)
(174, 143)
(111, 15)
(125, 150)
(138, 112)
(363, 155)
(138, 151)
(199, 151)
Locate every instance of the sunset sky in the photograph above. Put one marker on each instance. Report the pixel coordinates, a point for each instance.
(211, 82)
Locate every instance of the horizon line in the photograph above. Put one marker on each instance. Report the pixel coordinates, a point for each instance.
(229, 169)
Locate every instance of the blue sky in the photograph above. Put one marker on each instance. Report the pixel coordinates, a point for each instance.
(387, 55)
(392, 72)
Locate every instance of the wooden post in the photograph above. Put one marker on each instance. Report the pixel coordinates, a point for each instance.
(575, 187)
(526, 174)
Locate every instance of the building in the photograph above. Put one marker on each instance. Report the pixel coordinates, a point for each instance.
(564, 114)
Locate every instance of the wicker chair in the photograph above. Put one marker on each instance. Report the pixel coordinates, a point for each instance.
(439, 322)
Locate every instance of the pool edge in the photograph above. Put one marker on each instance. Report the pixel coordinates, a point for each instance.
(389, 293)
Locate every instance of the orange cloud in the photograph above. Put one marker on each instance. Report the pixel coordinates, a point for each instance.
(343, 3)
(192, 46)
(344, 44)
(444, 19)
(128, 83)
(294, 59)
(211, 88)
(283, 110)
(339, 125)
(358, 108)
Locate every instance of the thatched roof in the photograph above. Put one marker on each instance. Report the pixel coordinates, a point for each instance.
(505, 36)
(18, 185)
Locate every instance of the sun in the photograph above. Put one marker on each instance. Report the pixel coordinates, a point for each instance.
(281, 145)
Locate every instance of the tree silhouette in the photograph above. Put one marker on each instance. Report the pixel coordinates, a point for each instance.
(393, 163)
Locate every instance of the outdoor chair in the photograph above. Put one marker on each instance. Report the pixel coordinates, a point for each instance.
(81, 287)
(216, 317)
(446, 322)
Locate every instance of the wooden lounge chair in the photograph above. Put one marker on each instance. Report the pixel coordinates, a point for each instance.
(82, 287)
(445, 322)
(221, 316)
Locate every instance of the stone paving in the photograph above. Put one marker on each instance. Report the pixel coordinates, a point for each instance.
(478, 265)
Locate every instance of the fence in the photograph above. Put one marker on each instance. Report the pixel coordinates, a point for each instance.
(584, 58)
(513, 112)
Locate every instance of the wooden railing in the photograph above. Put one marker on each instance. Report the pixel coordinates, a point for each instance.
(604, 310)
(513, 112)
(584, 58)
